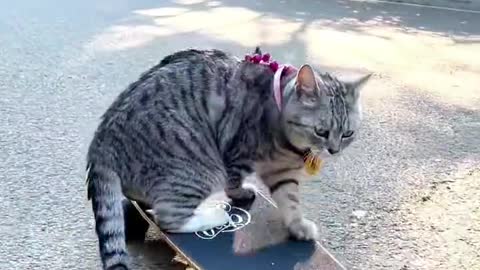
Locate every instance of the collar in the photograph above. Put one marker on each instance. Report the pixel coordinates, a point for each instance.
(277, 87)
(278, 91)
(280, 71)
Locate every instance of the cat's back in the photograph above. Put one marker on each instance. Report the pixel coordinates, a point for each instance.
(183, 74)
(179, 80)
(167, 102)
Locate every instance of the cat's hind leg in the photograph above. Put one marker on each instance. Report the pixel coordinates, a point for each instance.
(187, 210)
(205, 217)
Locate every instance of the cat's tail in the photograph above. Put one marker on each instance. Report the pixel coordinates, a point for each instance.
(105, 191)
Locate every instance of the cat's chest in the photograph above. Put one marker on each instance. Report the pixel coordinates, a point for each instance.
(282, 168)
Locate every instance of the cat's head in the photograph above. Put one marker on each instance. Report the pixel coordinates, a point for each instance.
(321, 112)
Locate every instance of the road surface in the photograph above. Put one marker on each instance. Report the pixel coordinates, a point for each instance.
(404, 196)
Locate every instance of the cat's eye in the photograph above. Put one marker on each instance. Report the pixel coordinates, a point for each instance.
(322, 133)
(348, 134)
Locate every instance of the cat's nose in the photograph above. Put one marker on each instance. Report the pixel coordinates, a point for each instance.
(333, 151)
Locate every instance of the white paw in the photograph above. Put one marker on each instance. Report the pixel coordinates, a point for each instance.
(205, 219)
(303, 229)
(251, 187)
(248, 191)
(216, 216)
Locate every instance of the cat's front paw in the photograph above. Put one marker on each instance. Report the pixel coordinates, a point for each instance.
(303, 229)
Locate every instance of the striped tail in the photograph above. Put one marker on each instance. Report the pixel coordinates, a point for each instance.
(104, 189)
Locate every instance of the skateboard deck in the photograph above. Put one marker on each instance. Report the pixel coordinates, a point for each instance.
(255, 239)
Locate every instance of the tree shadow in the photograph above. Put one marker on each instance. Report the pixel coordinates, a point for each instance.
(344, 15)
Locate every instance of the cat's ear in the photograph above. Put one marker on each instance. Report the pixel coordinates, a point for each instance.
(354, 87)
(306, 81)
(258, 50)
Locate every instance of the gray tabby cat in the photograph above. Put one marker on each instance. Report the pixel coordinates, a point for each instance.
(196, 124)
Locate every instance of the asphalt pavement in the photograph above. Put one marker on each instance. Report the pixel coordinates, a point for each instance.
(404, 196)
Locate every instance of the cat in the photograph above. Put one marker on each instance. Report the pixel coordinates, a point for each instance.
(198, 123)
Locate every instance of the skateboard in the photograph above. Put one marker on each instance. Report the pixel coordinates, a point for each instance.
(254, 239)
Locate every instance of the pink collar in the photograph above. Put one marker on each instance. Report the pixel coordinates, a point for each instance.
(277, 88)
(278, 92)
(279, 71)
